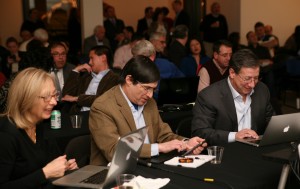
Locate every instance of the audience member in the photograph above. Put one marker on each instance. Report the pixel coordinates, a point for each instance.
(213, 28)
(265, 40)
(42, 35)
(217, 69)
(123, 53)
(26, 36)
(266, 71)
(60, 68)
(177, 50)
(236, 107)
(158, 24)
(234, 38)
(33, 22)
(144, 23)
(130, 106)
(37, 57)
(169, 21)
(166, 68)
(128, 33)
(191, 64)
(159, 41)
(292, 44)
(113, 27)
(88, 81)
(182, 17)
(14, 58)
(98, 38)
(28, 160)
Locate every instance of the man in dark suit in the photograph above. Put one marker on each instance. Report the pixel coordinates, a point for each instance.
(144, 23)
(98, 38)
(182, 18)
(61, 69)
(88, 81)
(236, 107)
(114, 28)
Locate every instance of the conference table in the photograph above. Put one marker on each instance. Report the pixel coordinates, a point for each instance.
(242, 167)
(67, 132)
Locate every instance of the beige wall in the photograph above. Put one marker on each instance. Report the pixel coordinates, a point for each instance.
(11, 18)
(243, 14)
(282, 15)
(132, 10)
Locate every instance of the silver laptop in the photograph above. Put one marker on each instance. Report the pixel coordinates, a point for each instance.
(124, 161)
(281, 129)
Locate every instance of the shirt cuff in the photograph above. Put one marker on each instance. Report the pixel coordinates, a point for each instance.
(231, 137)
(154, 149)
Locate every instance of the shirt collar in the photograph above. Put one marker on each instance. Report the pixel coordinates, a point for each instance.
(140, 108)
(100, 74)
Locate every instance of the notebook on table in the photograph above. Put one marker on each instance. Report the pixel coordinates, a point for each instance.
(281, 129)
(124, 161)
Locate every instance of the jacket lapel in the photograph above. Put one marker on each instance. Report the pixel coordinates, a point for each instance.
(124, 108)
(229, 106)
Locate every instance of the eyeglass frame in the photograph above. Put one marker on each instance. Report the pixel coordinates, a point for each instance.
(47, 98)
(149, 89)
(59, 54)
(249, 80)
(225, 55)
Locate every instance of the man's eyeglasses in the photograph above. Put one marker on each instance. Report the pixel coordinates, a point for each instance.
(47, 98)
(59, 54)
(148, 89)
(225, 55)
(248, 80)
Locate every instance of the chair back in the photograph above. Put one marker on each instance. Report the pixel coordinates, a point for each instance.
(79, 148)
(184, 127)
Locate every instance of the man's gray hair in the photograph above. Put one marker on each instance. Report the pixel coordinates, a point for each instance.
(143, 47)
(156, 36)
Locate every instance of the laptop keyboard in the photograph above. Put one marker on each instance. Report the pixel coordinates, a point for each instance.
(97, 178)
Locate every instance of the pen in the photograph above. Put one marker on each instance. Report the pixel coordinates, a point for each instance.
(192, 149)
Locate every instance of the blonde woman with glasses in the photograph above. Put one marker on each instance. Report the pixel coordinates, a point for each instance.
(27, 159)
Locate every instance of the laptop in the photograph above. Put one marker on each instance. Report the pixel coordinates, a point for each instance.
(124, 161)
(177, 91)
(281, 129)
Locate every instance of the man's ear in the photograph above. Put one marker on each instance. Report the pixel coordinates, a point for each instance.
(128, 80)
(231, 73)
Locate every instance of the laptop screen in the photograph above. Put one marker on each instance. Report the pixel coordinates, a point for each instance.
(177, 90)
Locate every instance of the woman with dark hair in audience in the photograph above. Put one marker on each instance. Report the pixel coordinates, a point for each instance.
(191, 64)
(28, 160)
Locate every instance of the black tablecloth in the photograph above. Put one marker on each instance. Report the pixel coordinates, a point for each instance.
(66, 132)
(243, 167)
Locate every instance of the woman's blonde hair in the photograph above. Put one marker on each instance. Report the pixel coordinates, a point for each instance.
(23, 93)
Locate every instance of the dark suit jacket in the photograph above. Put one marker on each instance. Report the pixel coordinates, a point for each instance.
(111, 117)
(112, 30)
(67, 69)
(215, 113)
(90, 42)
(182, 19)
(78, 83)
(176, 52)
(142, 26)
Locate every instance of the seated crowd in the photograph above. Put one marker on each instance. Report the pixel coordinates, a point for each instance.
(115, 77)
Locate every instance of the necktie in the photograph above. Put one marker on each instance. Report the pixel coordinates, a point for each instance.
(57, 83)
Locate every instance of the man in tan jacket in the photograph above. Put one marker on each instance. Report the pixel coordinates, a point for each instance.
(130, 106)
